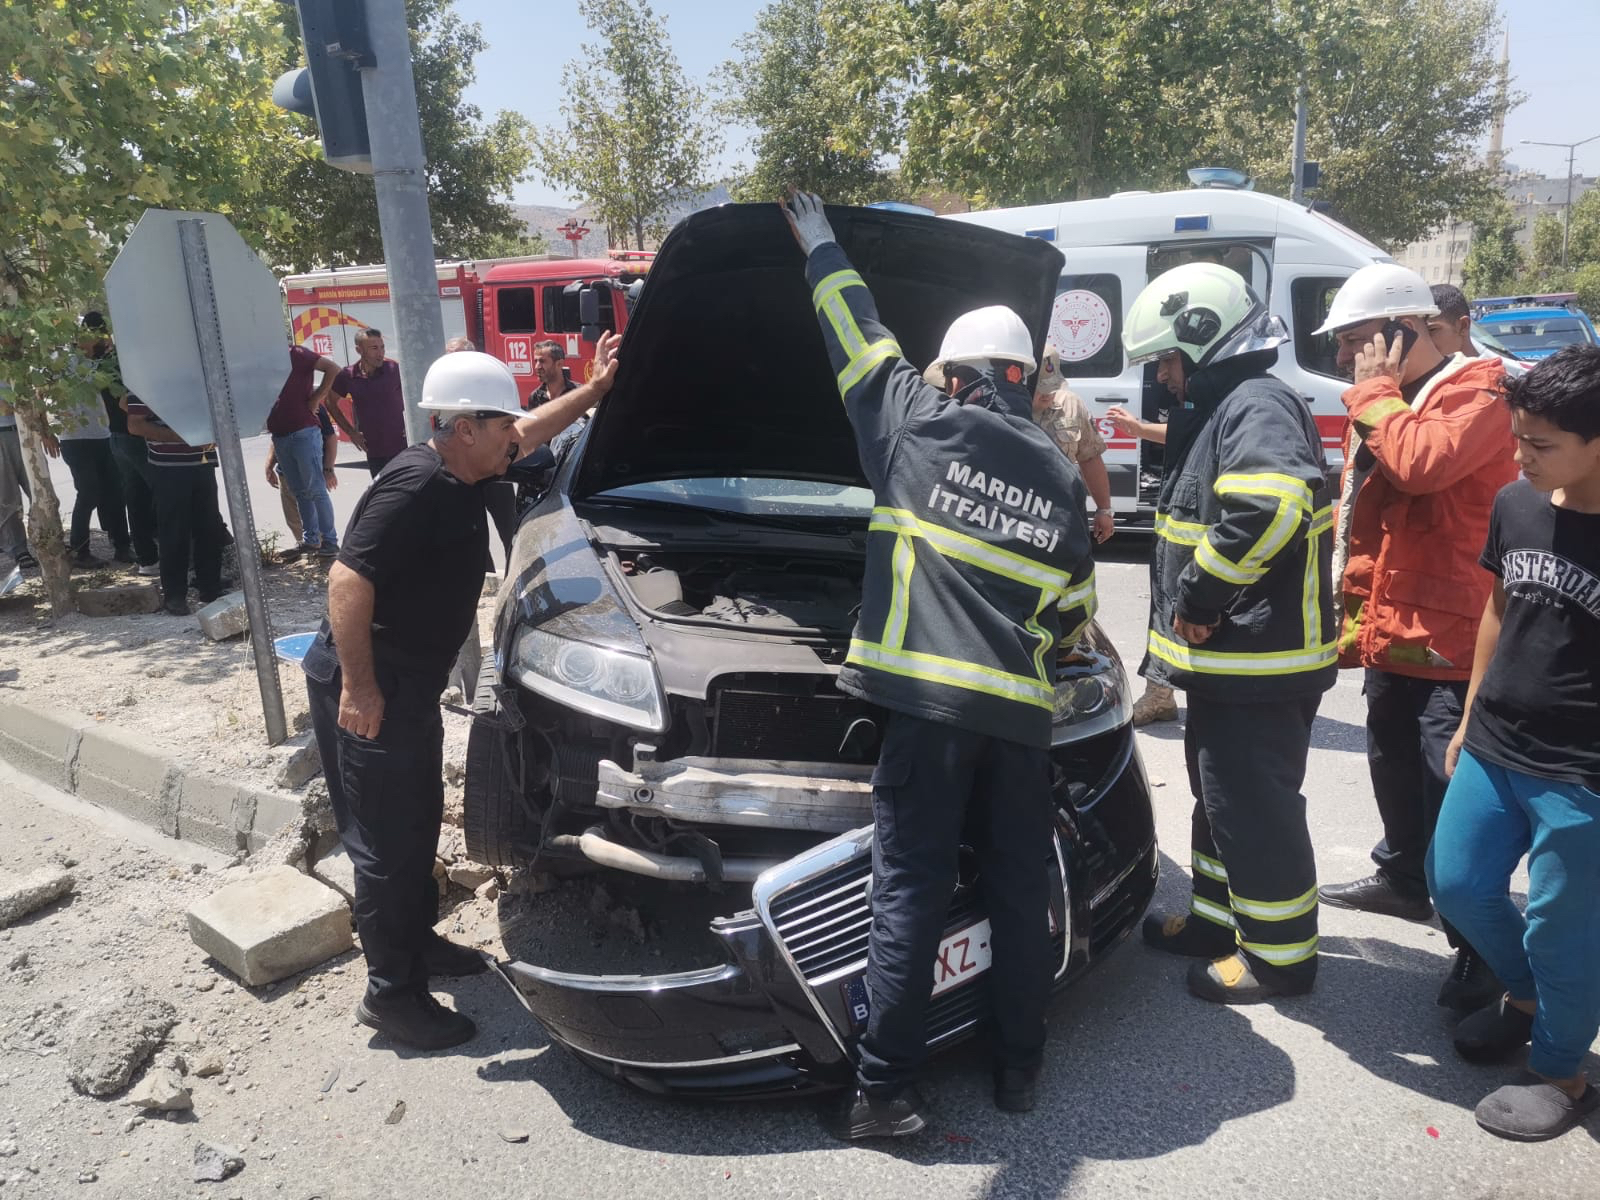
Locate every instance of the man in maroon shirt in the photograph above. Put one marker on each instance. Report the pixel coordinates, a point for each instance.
(371, 385)
(297, 447)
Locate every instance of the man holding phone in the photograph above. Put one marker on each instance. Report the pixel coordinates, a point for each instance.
(1429, 445)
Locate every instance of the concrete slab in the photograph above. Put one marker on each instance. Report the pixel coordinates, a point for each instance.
(118, 601)
(272, 924)
(215, 812)
(225, 617)
(338, 872)
(271, 812)
(21, 896)
(40, 740)
(122, 773)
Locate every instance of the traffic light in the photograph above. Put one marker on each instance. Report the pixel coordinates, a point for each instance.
(328, 87)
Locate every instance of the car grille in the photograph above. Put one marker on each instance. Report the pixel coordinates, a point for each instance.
(774, 724)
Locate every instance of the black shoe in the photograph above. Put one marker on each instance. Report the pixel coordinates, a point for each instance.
(175, 607)
(27, 561)
(1471, 984)
(208, 597)
(1016, 1089)
(1494, 1033)
(443, 957)
(1375, 894)
(82, 557)
(1177, 934)
(122, 554)
(1232, 980)
(862, 1115)
(416, 1019)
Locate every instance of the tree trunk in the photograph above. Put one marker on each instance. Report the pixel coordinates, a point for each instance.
(44, 513)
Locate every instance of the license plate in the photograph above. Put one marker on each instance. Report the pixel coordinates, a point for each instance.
(962, 955)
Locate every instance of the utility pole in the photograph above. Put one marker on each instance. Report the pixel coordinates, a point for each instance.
(399, 174)
(1566, 209)
(1297, 188)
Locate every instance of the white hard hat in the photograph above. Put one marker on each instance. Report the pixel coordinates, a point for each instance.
(984, 333)
(468, 382)
(1379, 290)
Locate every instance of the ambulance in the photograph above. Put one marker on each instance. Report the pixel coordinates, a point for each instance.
(1294, 257)
(506, 306)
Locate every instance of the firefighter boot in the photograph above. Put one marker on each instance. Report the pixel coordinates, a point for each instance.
(1157, 704)
(1177, 934)
(1233, 980)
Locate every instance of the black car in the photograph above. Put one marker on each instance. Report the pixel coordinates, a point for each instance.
(661, 707)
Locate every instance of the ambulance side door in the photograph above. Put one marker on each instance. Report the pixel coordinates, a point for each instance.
(1301, 296)
(1092, 299)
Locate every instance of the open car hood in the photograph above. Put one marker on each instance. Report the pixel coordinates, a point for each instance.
(724, 371)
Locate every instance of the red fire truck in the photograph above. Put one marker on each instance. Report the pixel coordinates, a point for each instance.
(504, 305)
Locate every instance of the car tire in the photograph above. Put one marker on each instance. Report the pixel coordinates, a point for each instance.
(499, 829)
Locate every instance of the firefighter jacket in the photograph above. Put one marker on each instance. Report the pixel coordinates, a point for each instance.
(979, 567)
(1419, 481)
(1243, 538)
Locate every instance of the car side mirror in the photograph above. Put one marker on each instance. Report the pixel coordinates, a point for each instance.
(589, 314)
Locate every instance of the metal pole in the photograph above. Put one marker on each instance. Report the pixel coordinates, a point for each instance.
(225, 429)
(1297, 189)
(1566, 211)
(400, 178)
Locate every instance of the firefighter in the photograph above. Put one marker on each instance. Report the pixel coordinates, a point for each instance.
(979, 569)
(1240, 619)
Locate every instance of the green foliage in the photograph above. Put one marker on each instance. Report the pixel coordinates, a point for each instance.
(635, 140)
(472, 165)
(1544, 273)
(786, 84)
(511, 245)
(1495, 260)
(1022, 101)
(108, 107)
(1546, 254)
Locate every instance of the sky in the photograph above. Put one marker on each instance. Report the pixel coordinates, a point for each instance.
(1555, 47)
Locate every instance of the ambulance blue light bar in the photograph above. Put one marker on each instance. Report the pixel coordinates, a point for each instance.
(1198, 223)
(1044, 233)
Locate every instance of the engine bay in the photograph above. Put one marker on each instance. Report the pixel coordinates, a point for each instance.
(782, 593)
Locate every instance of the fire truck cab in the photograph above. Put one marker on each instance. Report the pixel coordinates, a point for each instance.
(1295, 258)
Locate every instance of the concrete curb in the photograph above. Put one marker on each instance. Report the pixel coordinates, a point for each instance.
(109, 769)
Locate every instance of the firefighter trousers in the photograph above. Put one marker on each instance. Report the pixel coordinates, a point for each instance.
(1254, 872)
(935, 787)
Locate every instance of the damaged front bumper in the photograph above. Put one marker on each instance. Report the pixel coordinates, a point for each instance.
(783, 1012)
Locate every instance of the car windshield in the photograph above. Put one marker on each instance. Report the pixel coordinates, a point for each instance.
(743, 494)
(1488, 339)
(1536, 334)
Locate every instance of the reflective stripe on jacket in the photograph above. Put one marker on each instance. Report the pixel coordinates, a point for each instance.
(979, 566)
(1243, 537)
(1412, 525)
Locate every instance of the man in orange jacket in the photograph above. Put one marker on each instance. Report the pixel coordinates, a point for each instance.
(1429, 445)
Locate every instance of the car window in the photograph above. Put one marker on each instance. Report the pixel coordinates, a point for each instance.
(1540, 332)
(1086, 326)
(742, 494)
(1310, 298)
(561, 310)
(516, 312)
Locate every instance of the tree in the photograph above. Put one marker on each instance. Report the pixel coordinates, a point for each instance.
(472, 166)
(796, 112)
(1546, 255)
(635, 141)
(107, 107)
(1495, 259)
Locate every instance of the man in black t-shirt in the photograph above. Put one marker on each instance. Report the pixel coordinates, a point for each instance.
(1525, 762)
(402, 597)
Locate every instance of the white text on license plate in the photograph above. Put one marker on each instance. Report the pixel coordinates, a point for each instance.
(962, 955)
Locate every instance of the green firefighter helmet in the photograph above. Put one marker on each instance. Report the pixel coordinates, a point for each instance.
(1198, 308)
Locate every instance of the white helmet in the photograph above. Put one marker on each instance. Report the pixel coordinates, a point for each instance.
(984, 333)
(1379, 290)
(469, 382)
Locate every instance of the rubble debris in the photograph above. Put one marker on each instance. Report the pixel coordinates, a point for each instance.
(209, 1065)
(213, 1164)
(328, 1080)
(19, 897)
(271, 924)
(469, 875)
(396, 1114)
(300, 768)
(111, 1039)
(514, 1135)
(338, 872)
(225, 617)
(120, 601)
(161, 1090)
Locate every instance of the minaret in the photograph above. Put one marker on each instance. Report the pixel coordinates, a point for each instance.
(1497, 134)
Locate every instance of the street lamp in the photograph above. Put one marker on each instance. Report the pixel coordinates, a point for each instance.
(1566, 209)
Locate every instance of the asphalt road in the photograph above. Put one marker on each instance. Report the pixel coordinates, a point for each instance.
(1350, 1092)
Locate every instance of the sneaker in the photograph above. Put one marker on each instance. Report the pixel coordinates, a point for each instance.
(416, 1019)
(1157, 704)
(27, 561)
(1471, 984)
(1494, 1033)
(1016, 1089)
(441, 956)
(122, 554)
(863, 1115)
(328, 550)
(1376, 894)
(149, 570)
(1176, 934)
(1231, 980)
(293, 554)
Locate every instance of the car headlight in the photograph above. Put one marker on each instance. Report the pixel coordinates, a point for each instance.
(592, 679)
(1092, 694)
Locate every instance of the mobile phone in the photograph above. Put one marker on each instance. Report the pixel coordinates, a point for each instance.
(1408, 336)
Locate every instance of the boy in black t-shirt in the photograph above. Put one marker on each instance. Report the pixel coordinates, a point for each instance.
(1525, 764)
